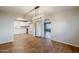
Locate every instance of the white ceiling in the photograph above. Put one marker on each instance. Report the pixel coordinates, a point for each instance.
(55, 9)
(25, 9)
(16, 9)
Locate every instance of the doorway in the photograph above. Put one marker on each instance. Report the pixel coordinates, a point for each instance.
(47, 28)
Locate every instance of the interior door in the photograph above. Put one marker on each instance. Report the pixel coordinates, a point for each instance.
(47, 29)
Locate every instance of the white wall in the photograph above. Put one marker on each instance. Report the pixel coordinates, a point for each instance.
(6, 29)
(66, 27)
(38, 28)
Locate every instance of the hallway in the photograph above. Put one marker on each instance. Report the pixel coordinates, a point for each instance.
(27, 43)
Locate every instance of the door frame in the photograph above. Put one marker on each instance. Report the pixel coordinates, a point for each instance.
(47, 21)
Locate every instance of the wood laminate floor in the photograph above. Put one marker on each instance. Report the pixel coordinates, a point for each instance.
(29, 44)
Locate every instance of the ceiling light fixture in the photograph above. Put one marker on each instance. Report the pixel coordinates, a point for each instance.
(24, 16)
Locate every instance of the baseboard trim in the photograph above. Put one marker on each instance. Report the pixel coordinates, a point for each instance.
(66, 43)
(6, 42)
